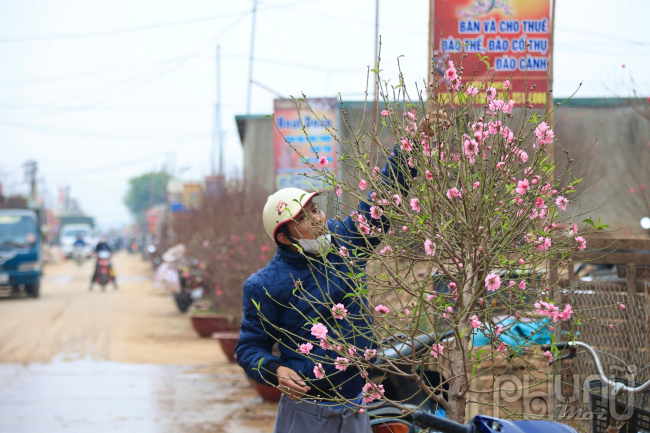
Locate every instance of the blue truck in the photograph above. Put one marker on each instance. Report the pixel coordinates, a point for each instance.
(21, 257)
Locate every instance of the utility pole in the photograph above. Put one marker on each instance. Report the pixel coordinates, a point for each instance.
(31, 171)
(375, 107)
(250, 61)
(217, 134)
(152, 179)
(219, 131)
(549, 82)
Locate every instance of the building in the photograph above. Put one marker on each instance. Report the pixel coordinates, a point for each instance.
(612, 136)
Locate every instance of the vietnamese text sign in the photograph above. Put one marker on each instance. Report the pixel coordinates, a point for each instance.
(311, 144)
(500, 30)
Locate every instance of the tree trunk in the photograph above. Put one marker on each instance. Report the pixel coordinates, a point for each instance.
(458, 385)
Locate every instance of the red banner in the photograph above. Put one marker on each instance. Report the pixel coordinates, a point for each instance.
(496, 32)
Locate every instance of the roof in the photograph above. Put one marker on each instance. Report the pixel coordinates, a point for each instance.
(241, 119)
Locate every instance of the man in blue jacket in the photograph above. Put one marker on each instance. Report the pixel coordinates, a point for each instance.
(291, 217)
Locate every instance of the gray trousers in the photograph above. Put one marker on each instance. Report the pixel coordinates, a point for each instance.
(300, 417)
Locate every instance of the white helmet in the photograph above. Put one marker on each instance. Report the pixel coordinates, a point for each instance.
(283, 206)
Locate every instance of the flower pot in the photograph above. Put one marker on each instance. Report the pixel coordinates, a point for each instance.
(207, 324)
(268, 393)
(228, 343)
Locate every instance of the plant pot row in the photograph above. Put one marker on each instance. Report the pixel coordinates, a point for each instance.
(226, 331)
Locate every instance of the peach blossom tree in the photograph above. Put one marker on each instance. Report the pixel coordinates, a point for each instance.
(466, 239)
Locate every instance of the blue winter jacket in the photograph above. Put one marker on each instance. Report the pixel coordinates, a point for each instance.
(272, 288)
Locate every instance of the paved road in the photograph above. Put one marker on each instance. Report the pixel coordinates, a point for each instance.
(125, 360)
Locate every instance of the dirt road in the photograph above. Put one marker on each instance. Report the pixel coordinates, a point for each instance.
(121, 360)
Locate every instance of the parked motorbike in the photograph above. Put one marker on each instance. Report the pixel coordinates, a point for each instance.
(103, 276)
(191, 287)
(425, 414)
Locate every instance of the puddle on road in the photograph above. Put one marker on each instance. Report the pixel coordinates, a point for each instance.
(101, 396)
(120, 278)
(57, 280)
(132, 278)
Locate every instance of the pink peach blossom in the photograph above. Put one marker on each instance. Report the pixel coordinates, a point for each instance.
(430, 247)
(319, 372)
(381, 309)
(452, 193)
(437, 350)
(415, 204)
(319, 331)
(522, 187)
(322, 161)
(492, 282)
(339, 311)
(548, 356)
(363, 184)
(491, 93)
(370, 354)
(341, 363)
(306, 348)
(376, 212)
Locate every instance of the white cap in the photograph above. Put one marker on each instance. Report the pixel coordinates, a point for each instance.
(282, 207)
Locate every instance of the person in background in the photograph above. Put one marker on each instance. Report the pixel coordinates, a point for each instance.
(79, 242)
(102, 245)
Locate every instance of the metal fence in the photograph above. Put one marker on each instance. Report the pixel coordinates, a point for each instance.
(620, 336)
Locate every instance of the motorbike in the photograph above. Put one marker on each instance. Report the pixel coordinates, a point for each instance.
(103, 275)
(191, 290)
(425, 414)
(79, 255)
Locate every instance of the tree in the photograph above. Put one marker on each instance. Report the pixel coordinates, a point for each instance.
(146, 190)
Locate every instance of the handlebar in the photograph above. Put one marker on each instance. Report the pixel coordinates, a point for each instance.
(403, 349)
(562, 346)
(617, 387)
(435, 423)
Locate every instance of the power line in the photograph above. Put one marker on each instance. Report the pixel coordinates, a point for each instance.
(150, 77)
(142, 28)
(602, 36)
(49, 130)
(110, 167)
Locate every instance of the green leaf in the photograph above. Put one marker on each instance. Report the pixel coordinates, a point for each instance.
(257, 304)
(589, 221)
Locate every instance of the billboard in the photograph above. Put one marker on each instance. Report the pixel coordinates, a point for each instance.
(312, 143)
(500, 31)
(192, 195)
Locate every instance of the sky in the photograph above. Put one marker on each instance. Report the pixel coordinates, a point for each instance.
(98, 92)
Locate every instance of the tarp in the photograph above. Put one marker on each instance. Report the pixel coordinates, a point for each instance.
(518, 334)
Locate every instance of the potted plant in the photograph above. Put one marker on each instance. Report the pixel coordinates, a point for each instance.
(227, 238)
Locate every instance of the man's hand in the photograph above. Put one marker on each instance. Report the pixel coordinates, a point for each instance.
(290, 383)
(432, 120)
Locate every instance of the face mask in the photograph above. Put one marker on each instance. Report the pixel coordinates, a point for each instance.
(316, 246)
